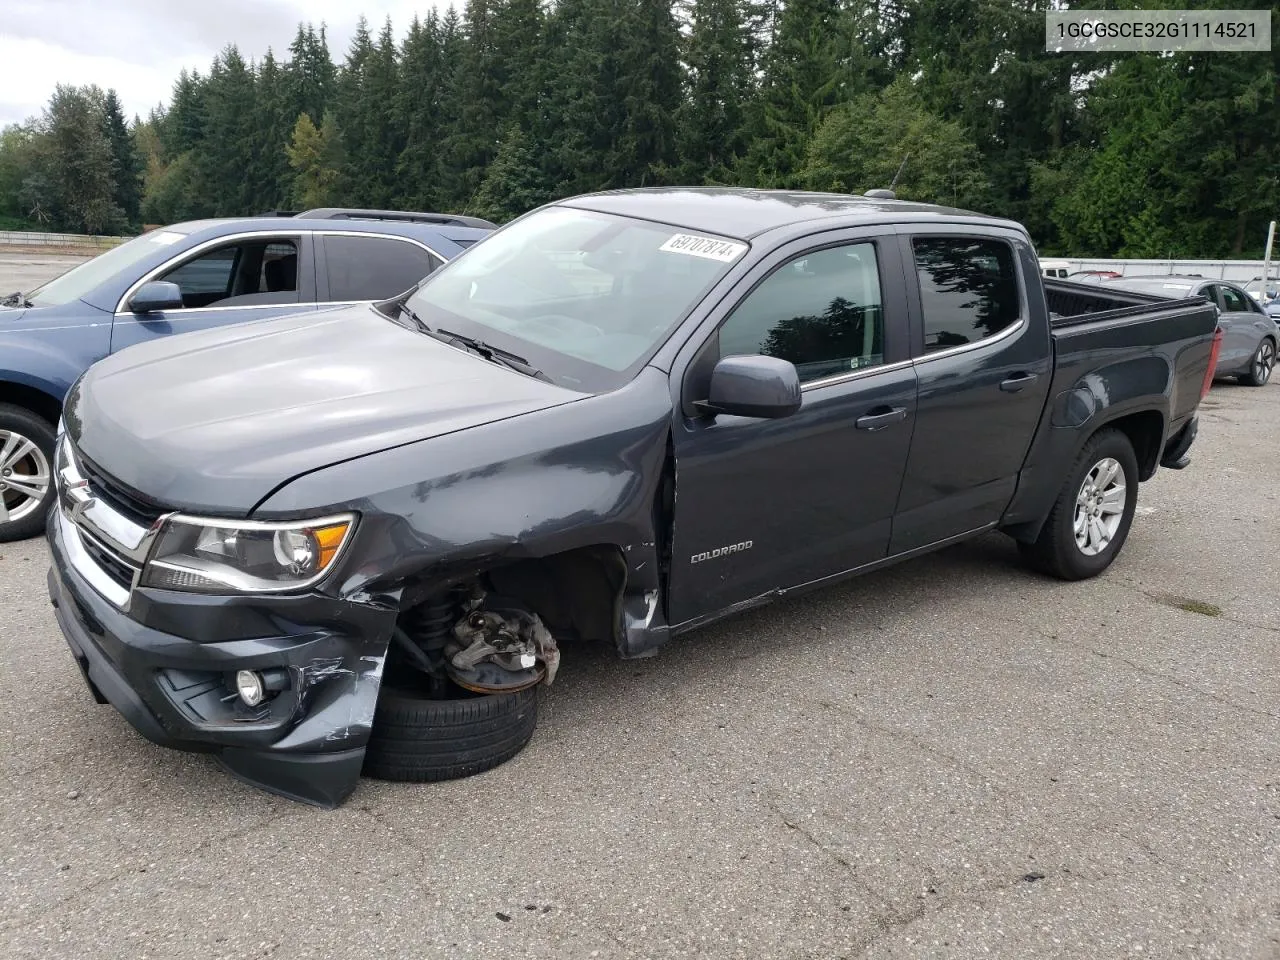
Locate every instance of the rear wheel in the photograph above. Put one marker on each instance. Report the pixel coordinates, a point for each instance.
(26, 473)
(1260, 367)
(1090, 520)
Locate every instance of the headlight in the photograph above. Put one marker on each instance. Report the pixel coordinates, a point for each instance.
(217, 556)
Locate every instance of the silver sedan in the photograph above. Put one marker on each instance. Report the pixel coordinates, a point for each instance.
(1249, 334)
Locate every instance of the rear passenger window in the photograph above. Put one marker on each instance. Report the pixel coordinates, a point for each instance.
(821, 311)
(968, 289)
(374, 268)
(1233, 301)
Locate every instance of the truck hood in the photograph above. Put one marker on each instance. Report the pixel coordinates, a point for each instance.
(213, 421)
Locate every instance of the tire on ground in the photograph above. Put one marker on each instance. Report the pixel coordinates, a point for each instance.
(1258, 375)
(415, 739)
(1055, 551)
(25, 423)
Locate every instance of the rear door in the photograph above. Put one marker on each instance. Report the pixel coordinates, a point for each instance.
(362, 267)
(768, 504)
(982, 358)
(248, 277)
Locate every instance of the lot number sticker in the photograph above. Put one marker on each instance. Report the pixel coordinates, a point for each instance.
(709, 249)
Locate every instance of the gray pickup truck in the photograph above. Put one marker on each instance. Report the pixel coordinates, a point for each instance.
(355, 541)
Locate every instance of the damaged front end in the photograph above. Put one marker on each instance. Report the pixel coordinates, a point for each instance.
(481, 641)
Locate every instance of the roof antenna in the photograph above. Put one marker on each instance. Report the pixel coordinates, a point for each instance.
(882, 194)
(901, 167)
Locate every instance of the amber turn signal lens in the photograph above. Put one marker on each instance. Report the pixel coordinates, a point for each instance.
(329, 539)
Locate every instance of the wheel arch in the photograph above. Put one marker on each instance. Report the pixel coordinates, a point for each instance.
(43, 403)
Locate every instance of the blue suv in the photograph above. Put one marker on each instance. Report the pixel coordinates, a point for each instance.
(191, 276)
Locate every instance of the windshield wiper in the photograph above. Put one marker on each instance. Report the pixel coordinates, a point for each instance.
(495, 354)
(407, 310)
(16, 299)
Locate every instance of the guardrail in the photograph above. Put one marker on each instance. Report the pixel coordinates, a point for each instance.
(79, 241)
(1236, 271)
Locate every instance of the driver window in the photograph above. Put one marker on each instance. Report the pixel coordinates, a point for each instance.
(821, 311)
(246, 273)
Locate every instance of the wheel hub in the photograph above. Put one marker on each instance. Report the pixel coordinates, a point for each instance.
(1100, 506)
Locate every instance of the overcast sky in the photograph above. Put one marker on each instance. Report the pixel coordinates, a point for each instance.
(138, 46)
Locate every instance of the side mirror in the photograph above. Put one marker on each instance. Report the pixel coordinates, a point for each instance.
(753, 386)
(156, 295)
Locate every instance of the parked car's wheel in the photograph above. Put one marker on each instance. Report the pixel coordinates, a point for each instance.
(418, 739)
(1092, 515)
(26, 473)
(1260, 367)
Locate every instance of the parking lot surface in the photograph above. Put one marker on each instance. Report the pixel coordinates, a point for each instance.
(951, 758)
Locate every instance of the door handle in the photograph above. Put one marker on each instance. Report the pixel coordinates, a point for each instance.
(1014, 384)
(885, 417)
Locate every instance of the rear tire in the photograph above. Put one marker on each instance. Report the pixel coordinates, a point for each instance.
(22, 514)
(1261, 365)
(1070, 549)
(419, 740)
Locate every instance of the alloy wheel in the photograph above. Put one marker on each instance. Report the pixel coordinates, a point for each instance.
(1100, 506)
(1263, 362)
(24, 476)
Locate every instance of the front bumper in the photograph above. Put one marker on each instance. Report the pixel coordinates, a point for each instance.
(165, 666)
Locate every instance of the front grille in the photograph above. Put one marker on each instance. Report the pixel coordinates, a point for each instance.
(112, 564)
(119, 497)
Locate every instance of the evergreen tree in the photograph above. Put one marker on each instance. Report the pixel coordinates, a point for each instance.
(647, 89)
(418, 112)
(513, 183)
(79, 167)
(183, 127)
(315, 154)
(802, 80)
(126, 165)
(865, 142)
(472, 138)
(309, 75)
(270, 176)
(226, 158)
(718, 86)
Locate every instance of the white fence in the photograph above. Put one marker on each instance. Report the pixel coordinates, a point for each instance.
(24, 238)
(1237, 271)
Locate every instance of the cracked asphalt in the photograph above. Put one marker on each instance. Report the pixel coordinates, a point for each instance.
(951, 758)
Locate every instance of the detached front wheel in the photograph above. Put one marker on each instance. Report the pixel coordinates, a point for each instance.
(1090, 520)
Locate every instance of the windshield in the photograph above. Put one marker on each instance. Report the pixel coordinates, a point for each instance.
(1255, 288)
(585, 297)
(81, 279)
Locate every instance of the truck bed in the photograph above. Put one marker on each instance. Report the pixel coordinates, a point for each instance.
(1072, 303)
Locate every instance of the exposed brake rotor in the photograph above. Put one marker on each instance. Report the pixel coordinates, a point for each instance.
(500, 647)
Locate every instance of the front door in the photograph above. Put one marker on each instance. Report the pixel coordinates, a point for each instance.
(249, 278)
(768, 504)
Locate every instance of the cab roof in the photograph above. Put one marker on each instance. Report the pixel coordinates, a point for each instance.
(746, 213)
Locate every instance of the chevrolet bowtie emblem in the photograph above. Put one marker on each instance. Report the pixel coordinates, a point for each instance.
(78, 502)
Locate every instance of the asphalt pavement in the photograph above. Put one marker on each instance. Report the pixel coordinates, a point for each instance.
(950, 758)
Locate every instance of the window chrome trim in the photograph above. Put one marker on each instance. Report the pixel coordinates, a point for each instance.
(123, 310)
(838, 378)
(966, 347)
